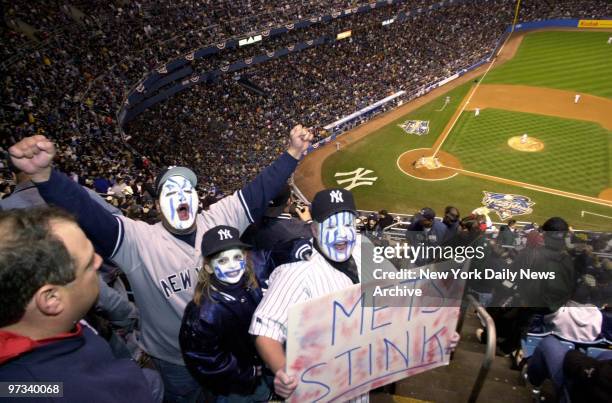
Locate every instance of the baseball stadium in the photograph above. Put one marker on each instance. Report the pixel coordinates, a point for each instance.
(529, 88)
(198, 197)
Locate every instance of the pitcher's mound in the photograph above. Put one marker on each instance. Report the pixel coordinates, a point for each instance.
(420, 164)
(530, 144)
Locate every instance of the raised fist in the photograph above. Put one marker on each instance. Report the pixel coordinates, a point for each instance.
(33, 155)
(299, 140)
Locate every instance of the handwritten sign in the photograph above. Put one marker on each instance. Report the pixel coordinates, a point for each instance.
(344, 344)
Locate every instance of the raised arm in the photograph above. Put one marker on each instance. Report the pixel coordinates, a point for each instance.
(254, 197)
(34, 156)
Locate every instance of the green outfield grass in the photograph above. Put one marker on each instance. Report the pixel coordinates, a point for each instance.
(398, 192)
(577, 61)
(576, 157)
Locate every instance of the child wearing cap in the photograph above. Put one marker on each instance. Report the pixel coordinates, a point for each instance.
(214, 339)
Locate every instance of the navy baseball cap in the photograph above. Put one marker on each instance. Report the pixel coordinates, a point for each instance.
(220, 238)
(277, 205)
(332, 201)
(172, 171)
(428, 213)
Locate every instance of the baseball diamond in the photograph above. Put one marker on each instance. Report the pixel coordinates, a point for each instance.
(477, 138)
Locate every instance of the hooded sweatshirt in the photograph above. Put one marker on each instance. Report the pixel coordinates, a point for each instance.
(80, 359)
(576, 322)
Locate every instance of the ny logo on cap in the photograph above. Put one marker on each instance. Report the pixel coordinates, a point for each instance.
(224, 234)
(336, 196)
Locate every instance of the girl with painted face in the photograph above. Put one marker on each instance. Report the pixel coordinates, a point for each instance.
(214, 339)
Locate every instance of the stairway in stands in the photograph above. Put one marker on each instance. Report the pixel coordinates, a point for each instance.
(453, 383)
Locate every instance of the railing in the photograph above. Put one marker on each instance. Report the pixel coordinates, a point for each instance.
(491, 344)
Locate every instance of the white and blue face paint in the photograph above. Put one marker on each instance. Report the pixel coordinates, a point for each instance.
(336, 236)
(179, 202)
(229, 265)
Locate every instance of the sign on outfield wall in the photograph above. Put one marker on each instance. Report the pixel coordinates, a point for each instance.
(343, 35)
(250, 40)
(595, 24)
(343, 345)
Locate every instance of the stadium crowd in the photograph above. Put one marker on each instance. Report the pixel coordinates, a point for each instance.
(66, 88)
(69, 88)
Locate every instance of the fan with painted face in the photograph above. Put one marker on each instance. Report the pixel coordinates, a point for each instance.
(336, 236)
(178, 201)
(228, 266)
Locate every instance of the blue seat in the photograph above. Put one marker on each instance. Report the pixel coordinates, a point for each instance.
(530, 343)
(593, 352)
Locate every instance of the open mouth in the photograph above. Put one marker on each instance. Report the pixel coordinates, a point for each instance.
(341, 246)
(183, 211)
(233, 273)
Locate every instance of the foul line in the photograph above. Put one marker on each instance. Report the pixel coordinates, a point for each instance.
(583, 212)
(538, 188)
(440, 140)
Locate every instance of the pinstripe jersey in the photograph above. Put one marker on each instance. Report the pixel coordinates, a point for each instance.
(291, 284)
(297, 282)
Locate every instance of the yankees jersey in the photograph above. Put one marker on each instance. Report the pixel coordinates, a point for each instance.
(162, 269)
(297, 282)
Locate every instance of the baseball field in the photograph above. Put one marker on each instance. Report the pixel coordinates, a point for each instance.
(515, 129)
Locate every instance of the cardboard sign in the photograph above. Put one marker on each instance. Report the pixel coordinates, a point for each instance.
(344, 344)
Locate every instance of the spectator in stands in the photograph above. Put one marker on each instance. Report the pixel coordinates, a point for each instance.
(384, 220)
(507, 234)
(214, 338)
(451, 220)
(577, 377)
(371, 224)
(101, 184)
(48, 282)
(425, 230)
(331, 268)
(552, 258)
(155, 258)
(281, 238)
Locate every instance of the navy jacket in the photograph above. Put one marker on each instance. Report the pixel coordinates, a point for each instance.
(86, 366)
(217, 348)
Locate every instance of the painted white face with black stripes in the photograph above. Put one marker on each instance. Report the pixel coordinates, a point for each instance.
(336, 236)
(229, 265)
(178, 201)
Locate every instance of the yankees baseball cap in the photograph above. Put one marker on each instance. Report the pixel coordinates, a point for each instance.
(220, 238)
(428, 213)
(332, 201)
(173, 171)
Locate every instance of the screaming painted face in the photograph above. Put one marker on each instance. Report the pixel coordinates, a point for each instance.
(179, 202)
(336, 236)
(229, 265)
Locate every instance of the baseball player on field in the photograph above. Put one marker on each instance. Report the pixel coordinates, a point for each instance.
(160, 261)
(333, 266)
